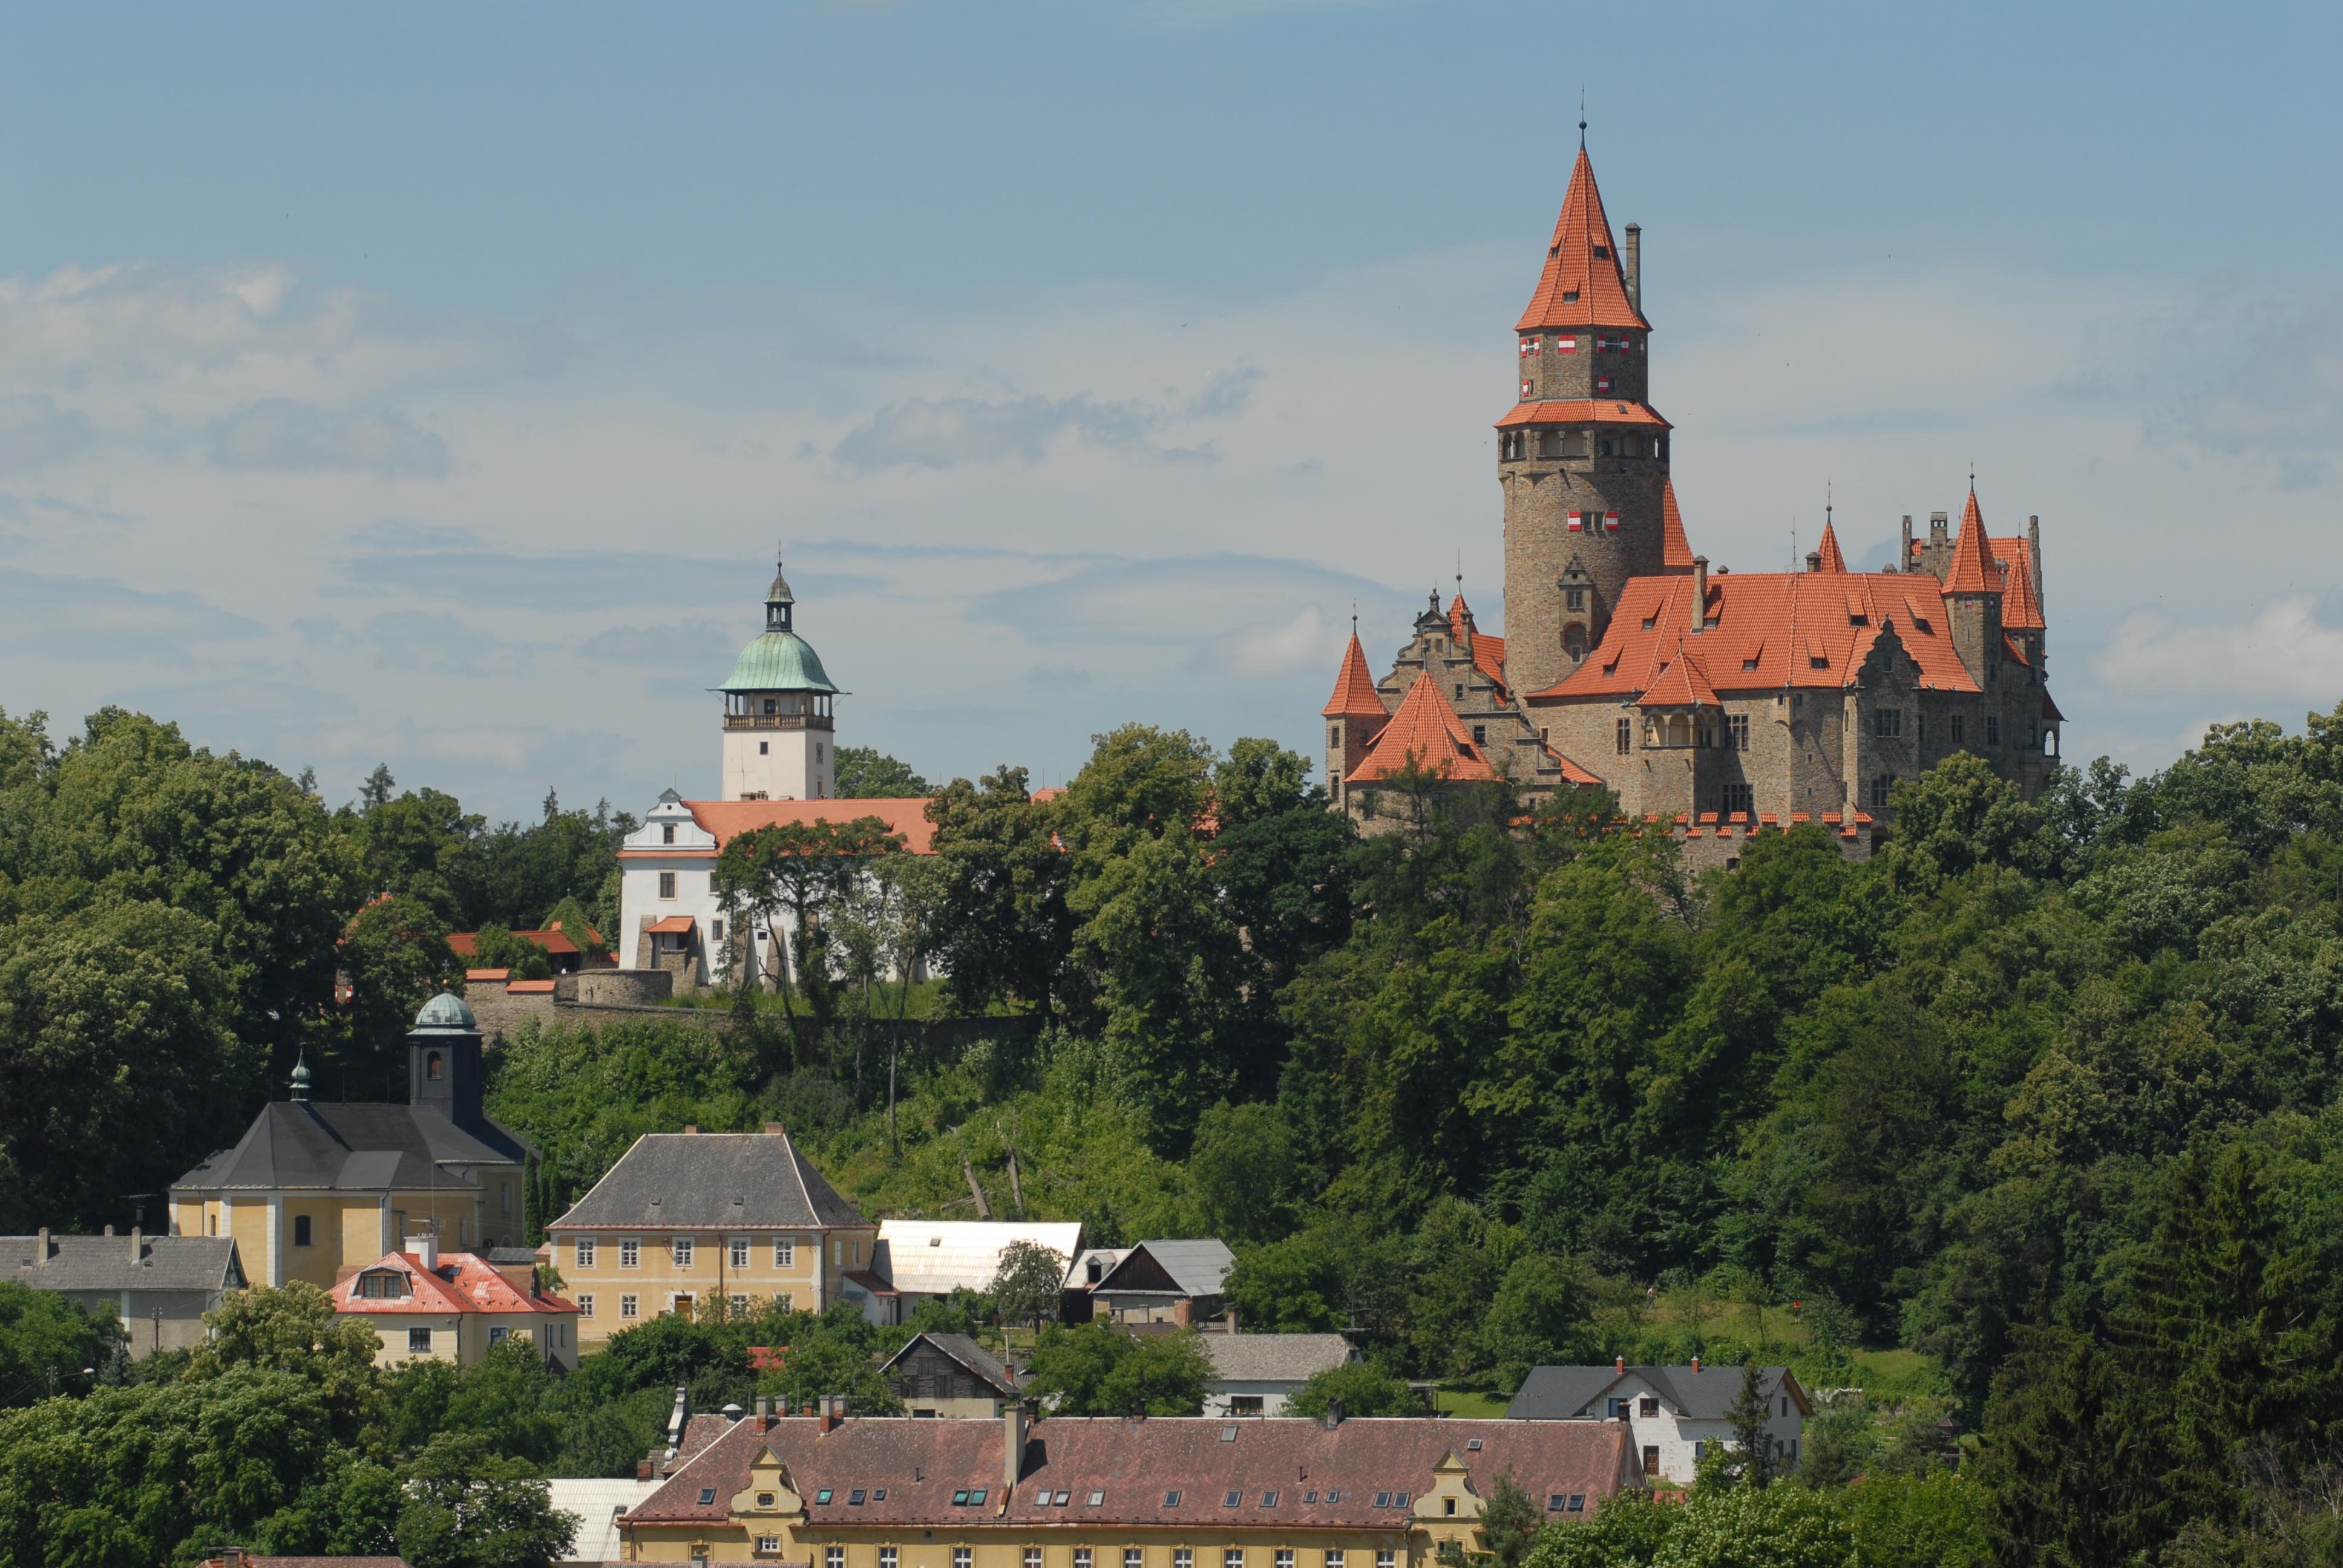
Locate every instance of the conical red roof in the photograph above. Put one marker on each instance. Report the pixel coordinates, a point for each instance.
(1354, 689)
(1972, 570)
(1578, 287)
(1832, 560)
(1675, 551)
(1426, 732)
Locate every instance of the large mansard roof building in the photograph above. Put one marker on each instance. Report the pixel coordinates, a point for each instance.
(1694, 696)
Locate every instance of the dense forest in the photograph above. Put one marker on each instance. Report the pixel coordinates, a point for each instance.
(2023, 1138)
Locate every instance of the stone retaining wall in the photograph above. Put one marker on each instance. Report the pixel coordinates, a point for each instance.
(605, 996)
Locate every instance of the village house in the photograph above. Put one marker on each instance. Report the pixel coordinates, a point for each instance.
(949, 1375)
(1098, 1492)
(929, 1260)
(691, 1217)
(1675, 1414)
(428, 1305)
(314, 1190)
(159, 1287)
(1162, 1281)
(1255, 1374)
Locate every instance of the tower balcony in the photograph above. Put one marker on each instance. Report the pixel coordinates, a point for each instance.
(779, 722)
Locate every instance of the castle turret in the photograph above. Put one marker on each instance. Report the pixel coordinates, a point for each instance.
(1973, 588)
(1582, 456)
(779, 719)
(1354, 716)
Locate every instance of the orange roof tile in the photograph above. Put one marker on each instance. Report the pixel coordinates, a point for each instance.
(1583, 411)
(2050, 711)
(1571, 773)
(2021, 607)
(1832, 560)
(1354, 688)
(1488, 650)
(1769, 630)
(1424, 732)
(2010, 649)
(1971, 572)
(672, 926)
(1680, 683)
(729, 818)
(1675, 551)
(463, 1283)
(1579, 287)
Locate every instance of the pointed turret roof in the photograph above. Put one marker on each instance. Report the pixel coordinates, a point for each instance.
(1354, 689)
(1832, 561)
(1579, 288)
(1675, 551)
(1427, 732)
(1972, 570)
(1680, 684)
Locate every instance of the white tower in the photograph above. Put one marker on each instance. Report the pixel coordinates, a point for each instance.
(778, 738)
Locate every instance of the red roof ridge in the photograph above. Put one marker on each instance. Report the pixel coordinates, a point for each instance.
(1577, 287)
(1832, 560)
(1971, 572)
(1424, 732)
(1680, 684)
(1675, 551)
(1583, 411)
(1355, 695)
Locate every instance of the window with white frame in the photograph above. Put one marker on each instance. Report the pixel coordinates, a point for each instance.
(739, 1251)
(963, 1557)
(586, 1306)
(1333, 1557)
(766, 1546)
(585, 1250)
(1131, 1557)
(418, 1342)
(833, 1557)
(680, 1247)
(631, 1254)
(629, 1307)
(1284, 1557)
(499, 1333)
(886, 1557)
(739, 1305)
(1233, 1557)
(1032, 1558)
(1386, 1558)
(785, 1252)
(1184, 1557)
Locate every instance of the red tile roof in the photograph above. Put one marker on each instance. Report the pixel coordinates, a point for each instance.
(1354, 689)
(1971, 572)
(1488, 650)
(1425, 732)
(1679, 683)
(1675, 551)
(674, 925)
(1832, 560)
(2050, 711)
(1767, 630)
(729, 818)
(1584, 411)
(1322, 1477)
(2021, 607)
(1578, 287)
(463, 1283)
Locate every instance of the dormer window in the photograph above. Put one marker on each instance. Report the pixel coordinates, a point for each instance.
(666, 832)
(1602, 252)
(1570, 297)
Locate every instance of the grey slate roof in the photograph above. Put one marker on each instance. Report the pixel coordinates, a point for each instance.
(103, 1264)
(711, 1181)
(1577, 1393)
(1196, 1267)
(353, 1148)
(1272, 1358)
(967, 1352)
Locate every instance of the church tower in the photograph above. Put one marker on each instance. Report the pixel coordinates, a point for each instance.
(779, 743)
(1582, 457)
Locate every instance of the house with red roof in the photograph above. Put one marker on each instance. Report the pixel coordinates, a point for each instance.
(429, 1305)
(1708, 701)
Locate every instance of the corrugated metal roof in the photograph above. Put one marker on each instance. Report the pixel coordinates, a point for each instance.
(937, 1257)
(1198, 1266)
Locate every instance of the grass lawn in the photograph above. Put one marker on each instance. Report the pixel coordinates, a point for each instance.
(926, 1001)
(1469, 1402)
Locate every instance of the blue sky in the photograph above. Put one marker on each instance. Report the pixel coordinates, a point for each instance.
(433, 385)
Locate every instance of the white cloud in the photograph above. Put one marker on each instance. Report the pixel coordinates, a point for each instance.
(2285, 653)
(278, 433)
(1301, 643)
(34, 433)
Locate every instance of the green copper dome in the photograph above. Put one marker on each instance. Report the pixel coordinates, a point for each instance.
(445, 1012)
(777, 661)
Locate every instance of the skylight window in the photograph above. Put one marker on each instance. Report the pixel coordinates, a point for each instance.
(959, 1498)
(707, 1495)
(1171, 1499)
(1269, 1499)
(1232, 1499)
(1473, 1446)
(1095, 1499)
(854, 1498)
(1382, 1500)
(1228, 1434)
(822, 1496)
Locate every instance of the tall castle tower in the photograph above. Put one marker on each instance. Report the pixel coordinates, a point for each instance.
(1583, 456)
(778, 737)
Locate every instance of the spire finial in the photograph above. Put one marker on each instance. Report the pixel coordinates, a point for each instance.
(1581, 116)
(301, 1076)
(1826, 503)
(1972, 475)
(1354, 617)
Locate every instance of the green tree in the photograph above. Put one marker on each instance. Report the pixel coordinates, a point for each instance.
(49, 1344)
(866, 773)
(799, 870)
(1509, 1520)
(1539, 1315)
(1750, 1461)
(468, 1506)
(1095, 1370)
(396, 955)
(1027, 1285)
(496, 946)
(294, 1329)
(1363, 1389)
(1001, 928)
(1241, 1165)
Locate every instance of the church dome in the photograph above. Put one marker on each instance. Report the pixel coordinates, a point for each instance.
(778, 661)
(445, 1012)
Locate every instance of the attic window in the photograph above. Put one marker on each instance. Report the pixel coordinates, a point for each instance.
(1817, 661)
(1399, 1500)
(1602, 252)
(823, 1495)
(1748, 665)
(854, 1498)
(1171, 1499)
(1231, 1499)
(1382, 1500)
(707, 1495)
(1095, 1498)
(1228, 1434)
(1269, 1499)
(1570, 297)
(1473, 1446)
(1650, 622)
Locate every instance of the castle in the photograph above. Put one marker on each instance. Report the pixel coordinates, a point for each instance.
(1699, 698)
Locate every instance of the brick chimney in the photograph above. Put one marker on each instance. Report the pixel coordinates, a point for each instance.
(1699, 595)
(41, 1258)
(1632, 252)
(1012, 1443)
(137, 1246)
(1695, 1363)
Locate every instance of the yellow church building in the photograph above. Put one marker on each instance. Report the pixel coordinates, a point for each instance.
(314, 1190)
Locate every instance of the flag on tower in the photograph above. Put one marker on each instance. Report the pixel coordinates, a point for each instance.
(1565, 346)
(1577, 522)
(1610, 521)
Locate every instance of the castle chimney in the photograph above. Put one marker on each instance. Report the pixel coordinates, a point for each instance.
(1699, 594)
(1333, 1414)
(43, 1256)
(1814, 560)
(1012, 1443)
(1634, 259)
(426, 1249)
(2034, 560)
(676, 1420)
(137, 1246)
(1940, 527)
(829, 1412)
(1904, 563)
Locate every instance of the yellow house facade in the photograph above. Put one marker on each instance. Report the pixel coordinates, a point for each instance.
(1088, 1492)
(686, 1220)
(315, 1189)
(426, 1305)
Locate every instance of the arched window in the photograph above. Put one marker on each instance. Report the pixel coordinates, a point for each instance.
(1574, 637)
(434, 1068)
